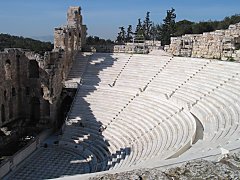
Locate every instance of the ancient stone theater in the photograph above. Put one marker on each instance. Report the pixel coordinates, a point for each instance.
(128, 111)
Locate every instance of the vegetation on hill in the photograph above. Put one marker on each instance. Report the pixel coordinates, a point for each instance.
(148, 30)
(8, 41)
(188, 27)
(95, 40)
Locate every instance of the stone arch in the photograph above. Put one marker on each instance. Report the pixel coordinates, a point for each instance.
(35, 110)
(3, 117)
(63, 110)
(33, 69)
(8, 70)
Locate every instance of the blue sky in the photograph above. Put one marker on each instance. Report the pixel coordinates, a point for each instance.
(103, 17)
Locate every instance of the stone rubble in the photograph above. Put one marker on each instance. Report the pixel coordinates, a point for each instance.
(220, 44)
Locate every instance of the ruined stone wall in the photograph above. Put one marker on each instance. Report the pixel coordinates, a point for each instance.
(21, 101)
(68, 41)
(31, 84)
(73, 35)
(220, 44)
(142, 48)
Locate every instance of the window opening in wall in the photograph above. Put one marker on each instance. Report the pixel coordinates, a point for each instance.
(8, 71)
(3, 113)
(27, 91)
(5, 95)
(42, 92)
(46, 108)
(18, 60)
(33, 69)
(10, 109)
(13, 91)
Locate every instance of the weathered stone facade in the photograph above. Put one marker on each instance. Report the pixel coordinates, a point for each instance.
(220, 44)
(31, 85)
(142, 48)
(73, 35)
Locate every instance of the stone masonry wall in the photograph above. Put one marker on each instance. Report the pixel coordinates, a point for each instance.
(220, 44)
(142, 48)
(31, 84)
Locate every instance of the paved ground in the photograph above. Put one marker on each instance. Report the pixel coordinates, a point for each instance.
(48, 163)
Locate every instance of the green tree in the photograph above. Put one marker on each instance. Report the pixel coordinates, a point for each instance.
(169, 27)
(199, 28)
(157, 29)
(90, 40)
(129, 34)
(147, 25)
(121, 38)
(184, 27)
(139, 33)
(8, 41)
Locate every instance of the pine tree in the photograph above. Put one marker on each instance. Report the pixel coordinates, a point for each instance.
(153, 34)
(147, 25)
(168, 27)
(139, 33)
(121, 38)
(129, 34)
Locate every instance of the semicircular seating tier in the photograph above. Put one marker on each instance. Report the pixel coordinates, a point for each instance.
(133, 110)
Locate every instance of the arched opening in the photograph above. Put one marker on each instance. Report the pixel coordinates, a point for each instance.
(63, 110)
(3, 113)
(33, 69)
(42, 92)
(8, 71)
(46, 108)
(35, 110)
(18, 61)
(27, 91)
(10, 106)
(5, 95)
(13, 92)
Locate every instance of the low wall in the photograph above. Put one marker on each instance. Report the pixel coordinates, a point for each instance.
(220, 44)
(141, 48)
(11, 163)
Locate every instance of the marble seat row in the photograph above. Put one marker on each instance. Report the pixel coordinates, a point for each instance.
(133, 110)
(159, 118)
(111, 128)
